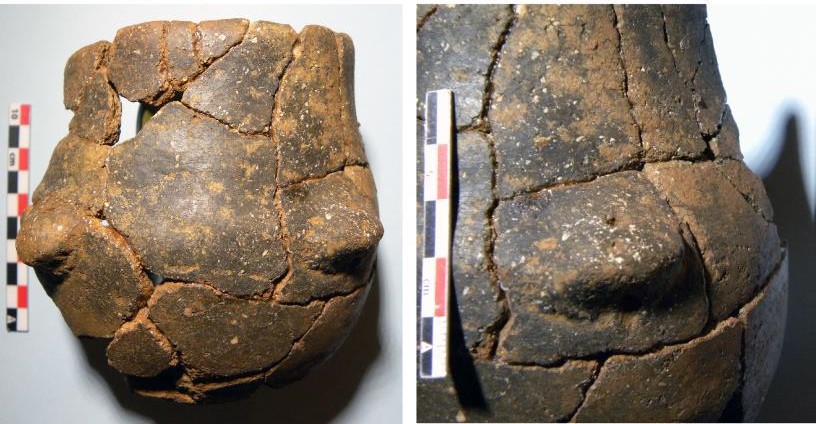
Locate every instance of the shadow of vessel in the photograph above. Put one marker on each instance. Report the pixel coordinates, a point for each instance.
(792, 396)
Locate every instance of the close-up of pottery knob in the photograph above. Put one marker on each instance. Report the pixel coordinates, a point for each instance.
(612, 253)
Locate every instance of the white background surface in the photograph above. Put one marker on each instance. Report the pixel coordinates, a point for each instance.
(767, 62)
(49, 376)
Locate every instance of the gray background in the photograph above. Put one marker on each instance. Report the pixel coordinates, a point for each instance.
(48, 375)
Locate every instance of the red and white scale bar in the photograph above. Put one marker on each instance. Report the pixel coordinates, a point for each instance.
(436, 253)
(16, 203)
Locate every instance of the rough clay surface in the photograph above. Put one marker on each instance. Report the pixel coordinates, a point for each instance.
(232, 241)
(676, 383)
(245, 78)
(764, 322)
(577, 260)
(508, 393)
(613, 258)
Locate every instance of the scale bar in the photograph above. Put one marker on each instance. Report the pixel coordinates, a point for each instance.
(436, 258)
(16, 203)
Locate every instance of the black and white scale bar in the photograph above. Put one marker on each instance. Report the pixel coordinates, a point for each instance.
(433, 347)
(16, 203)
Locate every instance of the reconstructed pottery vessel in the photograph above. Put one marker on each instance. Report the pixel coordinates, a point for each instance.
(232, 241)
